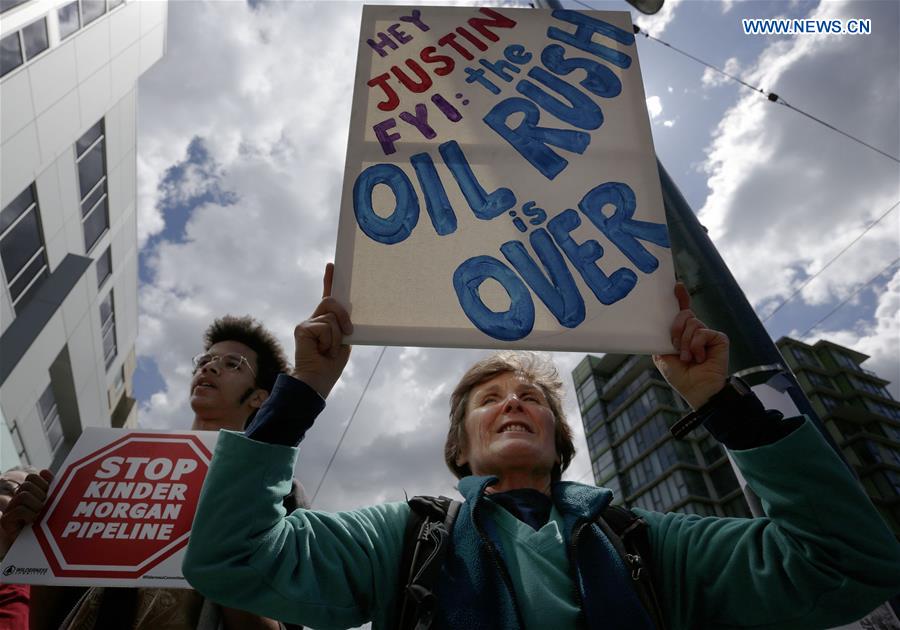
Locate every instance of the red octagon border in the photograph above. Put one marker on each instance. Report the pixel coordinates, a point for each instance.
(43, 537)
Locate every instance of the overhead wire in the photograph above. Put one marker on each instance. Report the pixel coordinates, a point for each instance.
(771, 96)
(824, 267)
(347, 426)
(850, 297)
(775, 98)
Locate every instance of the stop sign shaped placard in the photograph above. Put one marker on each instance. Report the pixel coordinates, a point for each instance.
(123, 509)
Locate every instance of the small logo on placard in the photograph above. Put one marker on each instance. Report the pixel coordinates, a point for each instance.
(14, 570)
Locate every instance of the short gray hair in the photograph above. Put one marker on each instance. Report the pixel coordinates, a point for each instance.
(534, 367)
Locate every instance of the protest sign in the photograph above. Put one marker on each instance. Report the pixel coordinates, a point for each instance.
(501, 188)
(118, 513)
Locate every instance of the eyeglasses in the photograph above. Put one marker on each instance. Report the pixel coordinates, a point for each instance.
(231, 361)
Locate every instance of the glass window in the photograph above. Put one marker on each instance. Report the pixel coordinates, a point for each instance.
(892, 432)
(114, 3)
(104, 267)
(108, 329)
(711, 450)
(10, 53)
(119, 381)
(598, 440)
(868, 386)
(35, 36)
(723, 480)
(593, 417)
(93, 198)
(695, 507)
(632, 387)
(694, 482)
(20, 243)
(95, 224)
(69, 20)
(91, 172)
(818, 380)
(89, 151)
(605, 464)
(6, 5)
(587, 393)
(887, 484)
(804, 356)
(737, 507)
(50, 418)
(22, 248)
(30, 277)
(845, 361)
(639, 409)
(16, 208)
(17, 441)
(90, 136)
(829, 402)
(92, 9)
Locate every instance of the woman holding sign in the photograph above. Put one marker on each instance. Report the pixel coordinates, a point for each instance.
(526, 549)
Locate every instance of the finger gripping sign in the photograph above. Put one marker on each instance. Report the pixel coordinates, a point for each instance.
(501, 188)
(121, 511)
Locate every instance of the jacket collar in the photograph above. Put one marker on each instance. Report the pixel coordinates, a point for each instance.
(575, 500)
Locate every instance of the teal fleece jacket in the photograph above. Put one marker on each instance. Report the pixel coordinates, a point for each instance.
(497, 576)
(822, 556)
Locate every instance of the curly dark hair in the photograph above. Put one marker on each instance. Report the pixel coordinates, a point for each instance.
(270, 357)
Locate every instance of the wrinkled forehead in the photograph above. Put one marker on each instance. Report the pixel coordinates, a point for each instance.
(505, 381)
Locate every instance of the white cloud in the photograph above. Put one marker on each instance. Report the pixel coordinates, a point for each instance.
(711, 78)
(728, 5)
(786, 195)
(655, 24)
(654, 106)
(275, 130)
(880, 339)
(668, 123)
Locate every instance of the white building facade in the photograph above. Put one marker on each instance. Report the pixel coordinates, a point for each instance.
(68, 210)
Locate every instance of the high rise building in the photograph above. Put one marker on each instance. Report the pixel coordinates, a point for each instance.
(859, 412)
(68, 231)
(627, 408)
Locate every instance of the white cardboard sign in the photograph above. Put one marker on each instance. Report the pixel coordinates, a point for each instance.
(119, 512)
(501, 188)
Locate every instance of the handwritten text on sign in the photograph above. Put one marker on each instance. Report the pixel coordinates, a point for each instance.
(546, 103)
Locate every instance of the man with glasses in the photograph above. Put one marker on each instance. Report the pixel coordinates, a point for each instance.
(235, 374)
(232, 377)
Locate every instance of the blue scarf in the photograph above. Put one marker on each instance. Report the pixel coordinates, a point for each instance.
(473, 590)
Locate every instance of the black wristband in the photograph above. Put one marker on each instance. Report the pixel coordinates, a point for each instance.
(738, 419)
(732, 397)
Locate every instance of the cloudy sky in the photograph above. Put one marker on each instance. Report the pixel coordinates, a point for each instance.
(242, 137)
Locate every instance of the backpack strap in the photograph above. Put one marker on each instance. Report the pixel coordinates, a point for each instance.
(630, 536)
(427, 536)
(424, 546)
